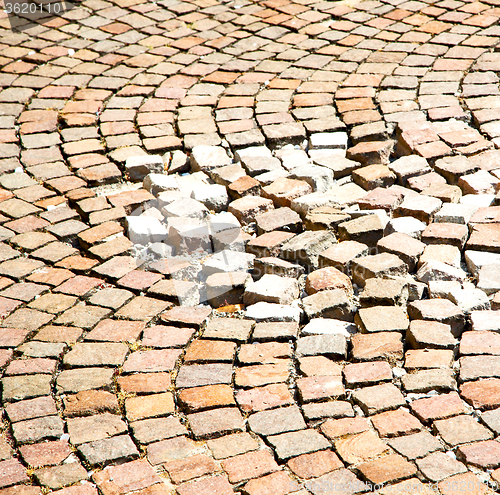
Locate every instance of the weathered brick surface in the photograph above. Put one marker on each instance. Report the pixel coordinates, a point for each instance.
(258, 242)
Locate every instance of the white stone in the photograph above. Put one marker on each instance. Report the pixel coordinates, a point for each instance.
(441, 289)
(476, 259)
(188, 182)
(344, 195)
(291, 158)
(328, 140)
(335, 160)
(144, 229)
(157, 183)
(222, 221)
(253, 151)
(329, 326)
(319, 178)
(405, 225)
(152, 212)
(382, 214)
(437, 270)
(470, 300)
(489, 278)
(455, 213)
(204, 157)
(185, 208)
(179, 162)
(263, 311)
(167, 197)
(409, 166)
(228, 261)
(213, 196)
(161, 249)
(485, 320)
(479, 200)
(189, 236)
(137, 167)
(272, 289)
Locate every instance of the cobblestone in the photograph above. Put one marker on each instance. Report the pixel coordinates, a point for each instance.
(349, 298)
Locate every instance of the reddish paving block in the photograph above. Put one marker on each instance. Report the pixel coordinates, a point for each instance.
(438, 407)
(209, 351)
(90, 402)
(12, 473)
(279, 483)
(336, 428)
(151, 361)
(395, 423)
(482, 394)
(262, 398)
(130, 476)
(191, 467)
(308, 466)
(207, 486)
(250, 465)
(149, 406)
(485, 455)
(381, 345)
(45, 454)
(79, 285)
(199, 398)
(145, 383)
(116, 331)
(367, 373)
(360, 447)
(389, 469)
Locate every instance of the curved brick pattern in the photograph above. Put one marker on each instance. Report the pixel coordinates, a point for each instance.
(250, 247)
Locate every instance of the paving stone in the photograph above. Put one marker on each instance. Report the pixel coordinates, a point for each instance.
(108, 450)
(295, 443)
(379, 398)
(438, 466)
(61, 476)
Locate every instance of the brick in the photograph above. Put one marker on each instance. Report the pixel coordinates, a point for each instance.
(438, 407)
(313, 465)
(199, 398)
(249, 465)
(389, 469)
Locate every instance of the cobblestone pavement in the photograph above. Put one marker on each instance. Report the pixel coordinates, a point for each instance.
(250, 247)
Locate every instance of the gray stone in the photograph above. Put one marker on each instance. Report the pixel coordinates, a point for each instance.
(185, 208)
(153, 430)
(35, 430)
(213, 196)
(263, 311)
(477, 259)
(305, 248)
(280, 420)
(228, 261)
(296, 443)
(97, 427)
(425, 380)
(331, 345)
(25, 386)
(157, 183)
(489, 278)
(120, 448)
(78, 380)
(97, 354)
